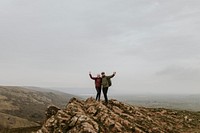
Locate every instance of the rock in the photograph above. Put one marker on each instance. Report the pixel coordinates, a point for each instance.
(51, 110)
(138, 130)
(90, 116)
(186, 118)
(73, 121)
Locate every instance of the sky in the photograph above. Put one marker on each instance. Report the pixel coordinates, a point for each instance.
(152, 45)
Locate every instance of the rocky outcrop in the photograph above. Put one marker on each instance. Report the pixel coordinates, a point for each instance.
(90, 116)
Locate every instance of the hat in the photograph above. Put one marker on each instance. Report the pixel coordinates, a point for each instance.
(102, 73)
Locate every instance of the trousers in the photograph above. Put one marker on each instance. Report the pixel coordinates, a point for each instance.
(98, 96)
(105, 91)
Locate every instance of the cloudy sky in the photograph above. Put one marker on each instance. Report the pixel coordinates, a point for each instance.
(153, 45)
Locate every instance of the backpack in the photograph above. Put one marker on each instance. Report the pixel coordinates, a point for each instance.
(109, 81)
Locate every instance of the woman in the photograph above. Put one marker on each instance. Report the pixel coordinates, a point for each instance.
(97, 80)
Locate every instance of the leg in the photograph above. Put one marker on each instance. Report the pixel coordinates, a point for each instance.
(98, 89)
(105, 90)
(97, 93)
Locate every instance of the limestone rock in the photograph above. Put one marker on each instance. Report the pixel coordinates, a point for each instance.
(90, 116)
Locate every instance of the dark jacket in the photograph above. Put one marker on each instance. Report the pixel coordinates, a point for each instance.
(105, 82)
(97, 81)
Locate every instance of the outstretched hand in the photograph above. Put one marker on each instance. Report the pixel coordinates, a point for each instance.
(114, 73)
(89, 72)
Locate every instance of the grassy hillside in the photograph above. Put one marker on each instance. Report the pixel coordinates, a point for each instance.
(10, 121)
(22, 107)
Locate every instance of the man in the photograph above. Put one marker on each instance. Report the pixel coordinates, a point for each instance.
(106, 83)
(97, 85)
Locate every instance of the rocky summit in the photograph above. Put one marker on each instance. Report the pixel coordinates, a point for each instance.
(90, 116)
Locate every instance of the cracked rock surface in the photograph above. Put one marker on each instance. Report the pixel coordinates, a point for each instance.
(90, 116)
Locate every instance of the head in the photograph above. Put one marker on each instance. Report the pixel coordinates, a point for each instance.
(98, 75)
(103, 74)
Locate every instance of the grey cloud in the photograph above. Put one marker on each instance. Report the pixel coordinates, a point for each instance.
(69, 38)
(180, 73)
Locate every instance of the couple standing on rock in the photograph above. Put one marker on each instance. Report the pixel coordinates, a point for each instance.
(103, 82)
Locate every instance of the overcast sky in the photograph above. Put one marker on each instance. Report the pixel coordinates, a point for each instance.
(153, 45)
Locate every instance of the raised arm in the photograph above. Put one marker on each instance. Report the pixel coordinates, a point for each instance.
(111, 76)
(91, 76)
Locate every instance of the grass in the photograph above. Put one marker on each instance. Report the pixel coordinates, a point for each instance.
(20, 130)
(21, 107)
(9, 121)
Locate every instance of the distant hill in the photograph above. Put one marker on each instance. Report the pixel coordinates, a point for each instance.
(181, 102)
(25, 106)
(90, 116)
